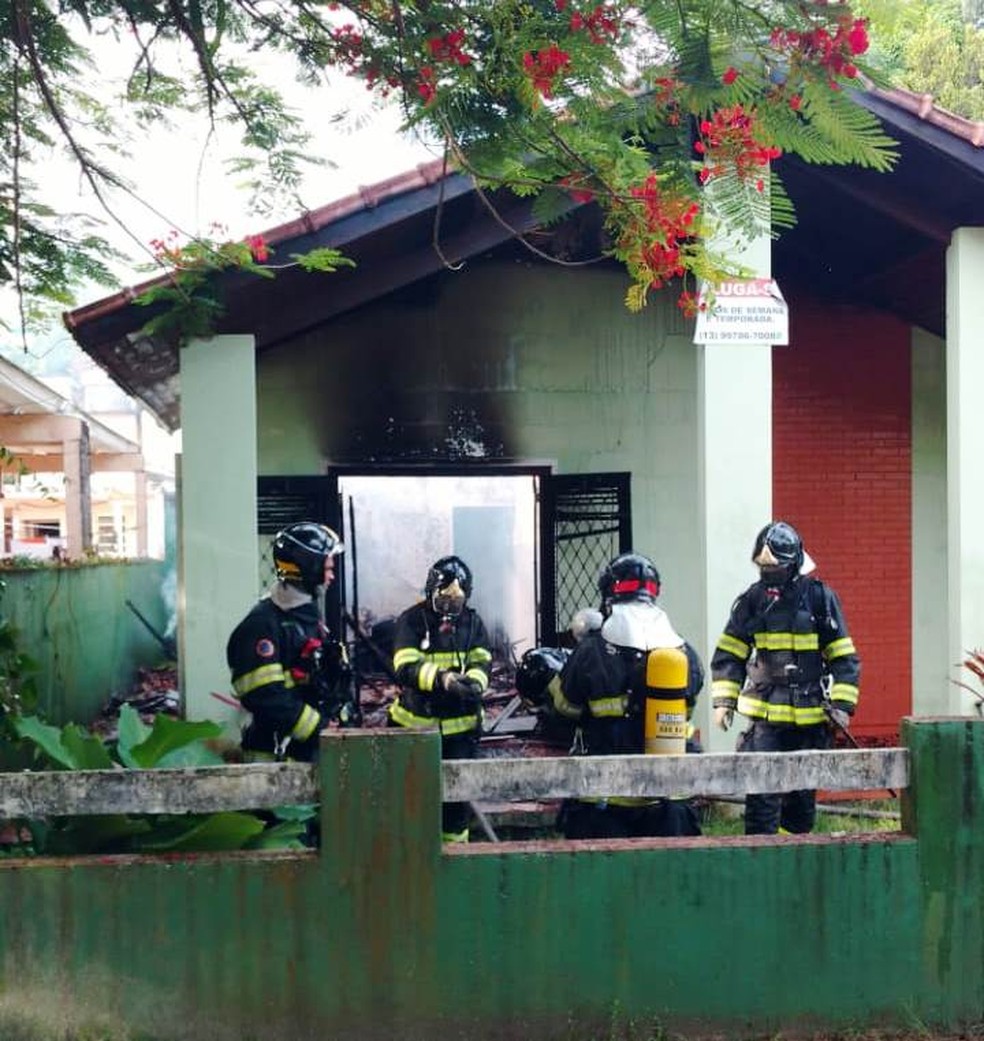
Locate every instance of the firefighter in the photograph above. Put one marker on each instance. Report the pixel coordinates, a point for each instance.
(604, 684)
(280, 655)
(538, 684)
(787, 662)
(442, 657)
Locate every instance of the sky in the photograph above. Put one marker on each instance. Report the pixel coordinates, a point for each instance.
(180, 174)
(181, 171)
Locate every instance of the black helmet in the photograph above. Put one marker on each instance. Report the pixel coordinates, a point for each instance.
(630, 576)
(300, 552)
(537, 668)
(448, 586)
(778, 552)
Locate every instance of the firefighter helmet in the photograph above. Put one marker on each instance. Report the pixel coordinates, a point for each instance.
(630, 576)
(448, 586)
(300, 551)
(537, 668)
(778, 552)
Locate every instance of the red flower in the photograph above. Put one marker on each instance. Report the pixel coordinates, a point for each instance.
(794, 102)
(258, 248)
(730, 75)
(544, 66)
(857, 38)
(425, 85)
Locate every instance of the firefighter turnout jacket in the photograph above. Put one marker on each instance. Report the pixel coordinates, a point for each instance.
(786, 656)
(274, 655)
(424, 646)
(604, 686)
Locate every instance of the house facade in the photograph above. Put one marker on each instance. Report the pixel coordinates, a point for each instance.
(455, 348)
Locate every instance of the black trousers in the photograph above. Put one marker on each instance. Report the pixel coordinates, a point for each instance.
(795, 812)
(456, 815)
(589, 820)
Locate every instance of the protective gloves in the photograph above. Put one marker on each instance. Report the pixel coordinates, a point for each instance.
(724, 716)
(839, 718)
(461, 693)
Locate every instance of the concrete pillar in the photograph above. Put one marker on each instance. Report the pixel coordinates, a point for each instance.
(217, 547)
(78, 500)
(734, 403)
(140, 497)
(932, 691)
(964, 440)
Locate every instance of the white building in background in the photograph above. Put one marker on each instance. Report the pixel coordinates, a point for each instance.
(85, 468)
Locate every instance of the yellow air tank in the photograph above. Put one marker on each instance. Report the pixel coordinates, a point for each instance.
(667, 670)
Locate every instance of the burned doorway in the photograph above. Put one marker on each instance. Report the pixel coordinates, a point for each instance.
(397, 524)
(535, 541)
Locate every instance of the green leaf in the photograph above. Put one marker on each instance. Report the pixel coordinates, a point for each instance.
(219, 831)
(47, 738)
(195, 754)
(286, 835)
(87, 751)
(300, 812)
(169, 734)
(131, 731)
(323, 259)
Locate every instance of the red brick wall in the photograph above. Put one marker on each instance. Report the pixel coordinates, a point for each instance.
(842, 476)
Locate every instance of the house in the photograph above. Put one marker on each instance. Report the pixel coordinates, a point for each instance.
(469, 343)
(83, 468)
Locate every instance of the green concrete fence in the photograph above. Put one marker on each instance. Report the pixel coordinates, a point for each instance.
(385, 934)
(75, 623)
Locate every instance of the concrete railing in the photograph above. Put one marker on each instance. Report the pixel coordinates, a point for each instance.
(267, 785)
(383, 932)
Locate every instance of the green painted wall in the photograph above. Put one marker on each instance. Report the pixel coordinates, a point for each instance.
(471, 357)
(384, 935)
(75, 623)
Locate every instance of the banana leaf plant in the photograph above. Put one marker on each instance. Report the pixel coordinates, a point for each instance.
(167, 742)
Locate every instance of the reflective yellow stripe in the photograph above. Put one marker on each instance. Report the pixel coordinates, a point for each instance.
(406, 656)
(734, 646)
(307, 723)
(478, 656)
(800, 716)
(445, 659)
(844, 692)
(459, 724)
(560, 702)
(726, 690)
(427, 675)
(407, 719)
(609, 707)
(480, 677)
(455, 836)
(260, 677)
(787, 641)
(839, 648)
(455, 725)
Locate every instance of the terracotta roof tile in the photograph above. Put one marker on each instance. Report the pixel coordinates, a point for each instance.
(923, 106)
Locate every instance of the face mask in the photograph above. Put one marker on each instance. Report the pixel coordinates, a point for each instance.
(449, 601)
(775, 577)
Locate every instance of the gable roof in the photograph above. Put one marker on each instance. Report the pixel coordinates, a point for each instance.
(861, 237)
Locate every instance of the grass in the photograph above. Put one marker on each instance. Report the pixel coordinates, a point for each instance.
(840, 818)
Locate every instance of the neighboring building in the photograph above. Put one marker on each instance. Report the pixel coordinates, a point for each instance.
(86, 468)
(478, 359)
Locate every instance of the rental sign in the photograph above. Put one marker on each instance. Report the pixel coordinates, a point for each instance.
(739, 311)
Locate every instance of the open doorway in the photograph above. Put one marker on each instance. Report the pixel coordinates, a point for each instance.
(397, 525)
